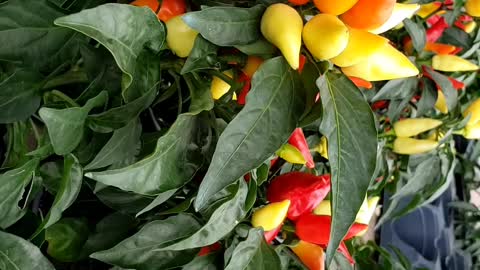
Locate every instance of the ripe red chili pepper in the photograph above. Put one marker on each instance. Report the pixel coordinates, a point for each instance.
(298, 140)
(361, 83)
(344, 250)
(435, 32)
(209, 249)
(305, 191)
(316, 229)
(456, 84)
(246, 88)
(303, 60)
(379, 105)
(171, 8)
(298, 2)
(270, 235)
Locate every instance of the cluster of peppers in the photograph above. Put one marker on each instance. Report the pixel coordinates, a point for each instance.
(299, 197)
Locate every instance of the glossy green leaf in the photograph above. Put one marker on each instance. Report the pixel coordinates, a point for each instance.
(429, 97)
(446, 86)
(20, 95)
(176, 159)
(66, 239)
(12, 187)
(272, 111)
(222, 222)
(254, 253)
(19, 254)
(18, 138)
(397, 89)
(198, 59)
(205, 262)
(33, 40)
(122, 145)
(160, 199)
(65, 126)
(122, 201)
(120, 116)
(417, 33)
(123, 29)
(67, 193)
(258, 47)
(227, 26)
(349, 125)
(201, 96)
(142, 251)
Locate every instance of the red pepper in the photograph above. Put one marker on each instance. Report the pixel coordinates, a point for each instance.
(305, 191)
(171, 8)
(270, 235)
(456, 84)
(361, 83)
(298, 140)
(209, 249)
(298, 2)
(344, 250)
(303, 60)
(246, 88)
(379, 105)
(435, 32)
(316, 229)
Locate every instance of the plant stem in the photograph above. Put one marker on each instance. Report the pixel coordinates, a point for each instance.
(65, 98)
(70, 77)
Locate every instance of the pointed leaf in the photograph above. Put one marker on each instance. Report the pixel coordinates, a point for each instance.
(66, 238)
(349, 125)
(123, 29)
(17, 253)
(146, 77)
(66, 126)
(143, 249)
(174, 162)
(273, 109)
(12, 186)
(198, 57)
(446, 86)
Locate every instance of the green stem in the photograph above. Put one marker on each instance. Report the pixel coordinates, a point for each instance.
(65, 98)
(35, 131)
(222, 76)
(240, 59)
(70, 77)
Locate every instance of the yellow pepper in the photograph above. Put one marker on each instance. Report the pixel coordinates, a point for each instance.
(270, 216)
(472, 128)
(427, 9)
(441, 103)
(291, 154)
(452, 63)
(219, 87)
(282, 26)
(310, 254)
(473, 8)
(414, 126)
(322, 147)
(400, 13)
(364, 215)
(386, 64)
(470, 26)
(180, 37)
(253, 62)
(361, 45)
(325, 36)
(410, 146)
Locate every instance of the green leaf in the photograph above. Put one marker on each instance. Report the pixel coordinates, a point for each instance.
(222, 222)
(18, 143)
(200, 94)
(456, 37)
(120, 116)
(349, 125)
(12, 186)
(429, 97)
(143, 250)
(444, 83)
(273, 109)
(198, 59)
(17, 253)
(227, 26)
(205, 262)
(20, 95)
(68, 191)
(397, 89)
(160, 199)
(174, 162)
(258, 47)
(108, 232)
(33, 39)
(122, 145)
(66, 239)
(65, 126)
(254, 253)
(417, 33)
(123, 29)
(122, 201)
(147, 76)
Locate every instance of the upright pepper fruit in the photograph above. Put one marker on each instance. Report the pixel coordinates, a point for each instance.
(310, 254)
(364, 215)
(441, 103)
(291, 154)
(414, 126)
(180, 37)
(325, 36)
(472, 128)
(303, 190)
(410, 146)
(452, 63)
(219, 87)
(270, 216)
(282, 26)
(298, 140)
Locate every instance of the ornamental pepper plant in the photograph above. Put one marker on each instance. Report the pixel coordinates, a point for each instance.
(175, 134)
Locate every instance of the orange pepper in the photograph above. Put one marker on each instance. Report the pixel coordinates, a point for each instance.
(310, 254)
(361, 83)
(439, 48)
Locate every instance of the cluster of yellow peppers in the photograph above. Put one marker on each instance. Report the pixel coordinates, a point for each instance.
(360, 53)
(408, 128)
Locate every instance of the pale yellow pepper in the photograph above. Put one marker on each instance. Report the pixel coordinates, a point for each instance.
(180, 37)
(410, 146)
(414, 126)
(270, 216)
